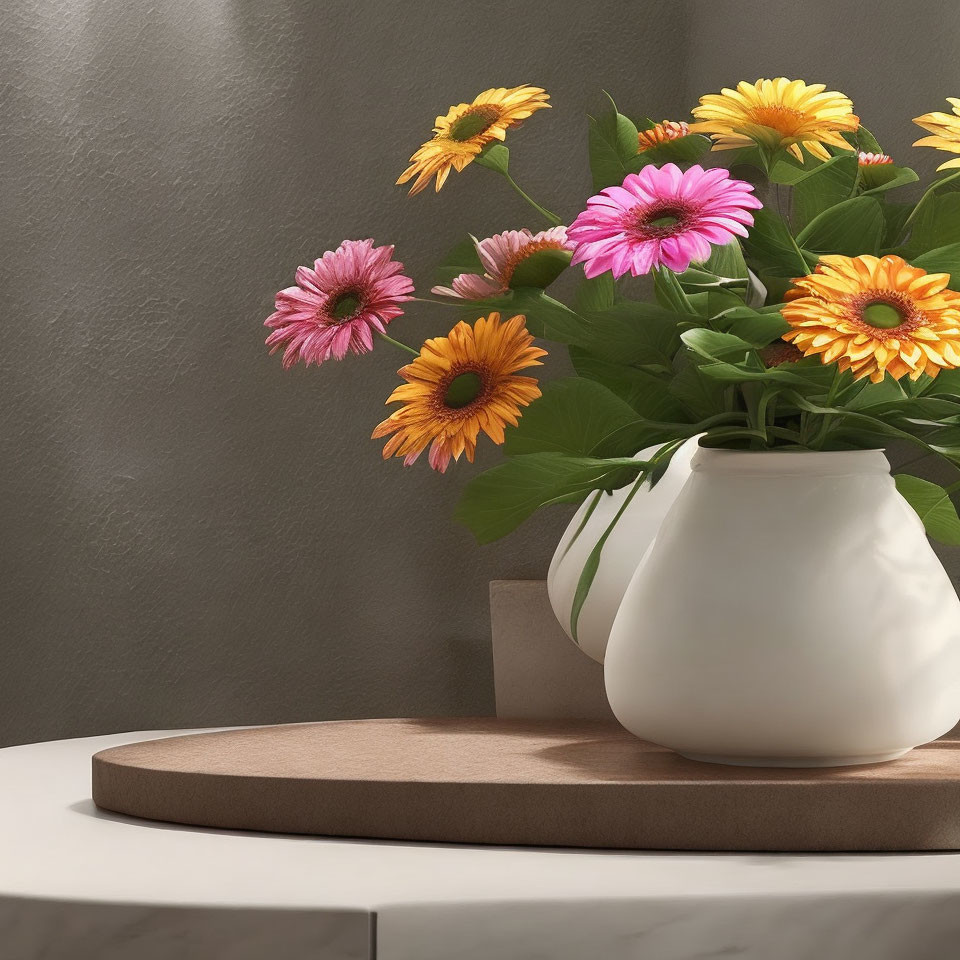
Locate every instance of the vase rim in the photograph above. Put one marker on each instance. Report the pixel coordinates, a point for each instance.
(718, 460)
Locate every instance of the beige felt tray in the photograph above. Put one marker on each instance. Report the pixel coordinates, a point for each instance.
(541, 782)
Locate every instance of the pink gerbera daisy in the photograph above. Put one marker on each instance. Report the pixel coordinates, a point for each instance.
(350, 294)
(661, 216)
(500, 256)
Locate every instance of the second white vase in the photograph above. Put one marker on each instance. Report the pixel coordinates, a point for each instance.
(621, 553)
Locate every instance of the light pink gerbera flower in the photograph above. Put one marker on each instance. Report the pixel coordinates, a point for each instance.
(661, 216)
(500, 256)
(350, 294)
(872, 159)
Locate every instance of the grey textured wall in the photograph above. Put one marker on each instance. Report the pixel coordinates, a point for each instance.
(191, 536)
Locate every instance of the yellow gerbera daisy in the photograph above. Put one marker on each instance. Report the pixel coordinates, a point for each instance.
(876, 315)
(467, 129)
(459, 385)
(945, 128)
(776, 113)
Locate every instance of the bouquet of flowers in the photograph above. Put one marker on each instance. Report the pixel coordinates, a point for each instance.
(801, 304)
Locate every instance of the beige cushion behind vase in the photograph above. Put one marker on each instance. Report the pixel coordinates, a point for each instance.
(538, 672)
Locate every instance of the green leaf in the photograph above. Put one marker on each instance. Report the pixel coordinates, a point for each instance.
(810, 379)
(864, 140)
(572, 416)
(865, 394)
(850, 228)
(633, 332)
(888, 176)
(934, 507)
(540, 269)
(823, 187)
(715, 346)
(727, 261)
(941, 260)
(724, 268)
(895, 216)
(463, 258)
(669, 293)
(494, 156)
(946, 384)
(934, 409)
(613, 147)
(595, 293)
(499, 500)
(645, 392)
(788, 170)
(701, 396)
(936, 224)
(546, 317)
(757, 329)
(770, 245)
(716, 302)
(920, 211)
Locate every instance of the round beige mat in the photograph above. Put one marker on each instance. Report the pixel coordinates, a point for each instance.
(548, 783)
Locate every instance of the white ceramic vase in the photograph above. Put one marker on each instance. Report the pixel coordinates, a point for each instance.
(790, 612)
(621, 553)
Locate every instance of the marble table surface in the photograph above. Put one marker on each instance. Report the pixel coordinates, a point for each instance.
(81, 884)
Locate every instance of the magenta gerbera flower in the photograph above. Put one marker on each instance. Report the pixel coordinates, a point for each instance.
(500, 256)
(661, 216)
(350, 294)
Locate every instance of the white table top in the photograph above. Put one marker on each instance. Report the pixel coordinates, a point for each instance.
(77, 882)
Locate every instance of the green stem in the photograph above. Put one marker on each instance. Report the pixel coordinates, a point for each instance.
(459, 304)
(805, 267)
(825, 424)
(761, 413)
(397, 343)
(551, 217)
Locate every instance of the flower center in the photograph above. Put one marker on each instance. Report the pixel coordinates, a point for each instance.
(884, 316)
(785, 120)
(462, 390)
(663, 220)
(876, 310)
(474, 122)
(345, 306)
(522, 255)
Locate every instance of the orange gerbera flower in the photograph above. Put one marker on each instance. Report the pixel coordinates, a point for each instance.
(660, 133)
(459, 385)
(467, 128)
(875, 316)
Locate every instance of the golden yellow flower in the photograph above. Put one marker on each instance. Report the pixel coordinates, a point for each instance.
(874, 316)
(945, 128)
(776, 113)
(467, 129)
(660, 133)
(459, 385)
